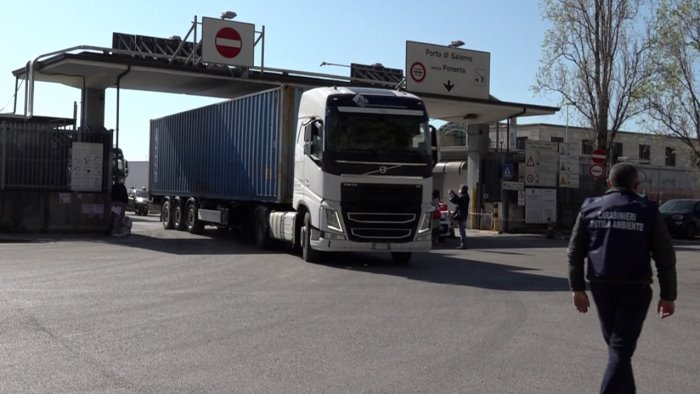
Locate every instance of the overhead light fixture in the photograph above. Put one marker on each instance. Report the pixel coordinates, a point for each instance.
(228, 15)
(471, 116)
(456, 44)
(333, 64)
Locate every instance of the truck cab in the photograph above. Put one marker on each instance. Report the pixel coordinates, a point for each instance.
(363, 172)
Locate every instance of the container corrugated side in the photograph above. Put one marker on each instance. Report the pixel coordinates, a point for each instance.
(234, 150)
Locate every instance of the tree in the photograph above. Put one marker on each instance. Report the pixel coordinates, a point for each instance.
(596, 57)
(673, 101)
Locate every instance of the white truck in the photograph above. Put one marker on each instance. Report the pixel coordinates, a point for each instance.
(325, 169)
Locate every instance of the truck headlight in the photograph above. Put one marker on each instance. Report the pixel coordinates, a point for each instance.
(425, 222)
(333, 220)
(677, 217)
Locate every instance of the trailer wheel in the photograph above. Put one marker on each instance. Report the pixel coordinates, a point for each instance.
(262, 229)
(193, 224)
(166, 216)
(308, 254)
(180, 217)
(402, 258)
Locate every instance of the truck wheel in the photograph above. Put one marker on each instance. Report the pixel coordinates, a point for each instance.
(401, 257)
(298, 238)
(193, 224)
(262, 230)
(180, 217)
(166, 216)
(308, 254)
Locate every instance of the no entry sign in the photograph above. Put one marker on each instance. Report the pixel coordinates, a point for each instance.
(598, 156)
(226, 42)
(597, 171)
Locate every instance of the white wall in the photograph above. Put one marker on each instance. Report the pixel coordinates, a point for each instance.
(138, 175)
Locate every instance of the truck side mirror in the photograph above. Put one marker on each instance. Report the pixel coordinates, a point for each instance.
(307, 132)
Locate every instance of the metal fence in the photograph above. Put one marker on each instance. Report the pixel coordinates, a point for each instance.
(37, 156)
(659, 184)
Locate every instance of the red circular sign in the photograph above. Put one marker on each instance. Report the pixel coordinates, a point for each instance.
(228, 42)
(597, 171)
(598, 156)
(417, 72)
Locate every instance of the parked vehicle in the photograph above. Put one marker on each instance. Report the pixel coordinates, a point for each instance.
(139, 201)
(326, 169)
(682, 216)
(446, 229)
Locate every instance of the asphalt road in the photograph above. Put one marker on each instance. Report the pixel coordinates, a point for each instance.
(167, 311)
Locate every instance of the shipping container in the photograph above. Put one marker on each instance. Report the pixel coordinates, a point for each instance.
(250, 139)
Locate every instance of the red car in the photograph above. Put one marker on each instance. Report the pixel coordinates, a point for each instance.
(446, 229)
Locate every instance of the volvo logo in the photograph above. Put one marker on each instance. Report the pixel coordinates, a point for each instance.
(382, 170)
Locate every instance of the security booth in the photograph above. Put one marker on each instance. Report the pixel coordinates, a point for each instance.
(53, 176)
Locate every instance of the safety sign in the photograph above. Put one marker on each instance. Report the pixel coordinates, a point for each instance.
(226, 42)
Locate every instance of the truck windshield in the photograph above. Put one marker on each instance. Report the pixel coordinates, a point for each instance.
(351, 132)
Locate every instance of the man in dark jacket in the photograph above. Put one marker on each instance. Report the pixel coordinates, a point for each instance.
(120, 198)
(619, 233)
(461, 213)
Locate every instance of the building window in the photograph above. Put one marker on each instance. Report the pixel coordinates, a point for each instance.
(645, 153)
(586, 147)
(670, 157)
(617, 151)
(520, 143)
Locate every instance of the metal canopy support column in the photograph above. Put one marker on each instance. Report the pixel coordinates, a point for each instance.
(478, 145)
(94, 107)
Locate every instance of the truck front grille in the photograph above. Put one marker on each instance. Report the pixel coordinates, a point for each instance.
(381, 213)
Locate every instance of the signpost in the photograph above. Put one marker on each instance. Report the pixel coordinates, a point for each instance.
(599, 156)
(226, 42)
(86, 167)
(447, 71)
(568, 165)
(597, 171)
(540, 205)
(510, 185)
(507, 171)
(541, 163)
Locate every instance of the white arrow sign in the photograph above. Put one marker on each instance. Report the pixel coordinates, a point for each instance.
(448, 71)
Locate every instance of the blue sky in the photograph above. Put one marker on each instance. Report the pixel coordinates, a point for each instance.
(299, 36)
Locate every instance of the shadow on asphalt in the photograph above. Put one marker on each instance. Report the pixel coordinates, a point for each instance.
(505, 241)
(442, 269)
(211, 242)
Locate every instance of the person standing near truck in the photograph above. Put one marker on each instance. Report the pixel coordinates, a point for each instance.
(461, 213)
(120, 198)
(619, 233)
(436, 216)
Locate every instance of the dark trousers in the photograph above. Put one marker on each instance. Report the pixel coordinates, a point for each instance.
(621, 310)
